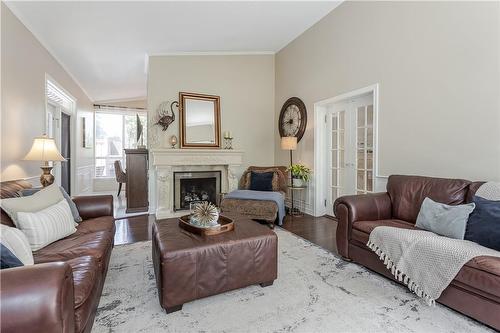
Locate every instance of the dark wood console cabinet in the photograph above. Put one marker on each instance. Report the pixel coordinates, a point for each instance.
(137, 180)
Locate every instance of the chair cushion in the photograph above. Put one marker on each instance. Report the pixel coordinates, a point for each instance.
(253, 209)
(85, 272)
(483, 274)
(95, 244)
(408, 192)
(103, 223)
(361, 229)
(368, 226)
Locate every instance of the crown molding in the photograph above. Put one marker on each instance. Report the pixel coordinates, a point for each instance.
(118, 100)
(211, 53)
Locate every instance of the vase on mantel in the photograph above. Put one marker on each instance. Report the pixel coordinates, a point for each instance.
(166, 141)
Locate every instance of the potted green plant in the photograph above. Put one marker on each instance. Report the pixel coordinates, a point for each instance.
(300, 174)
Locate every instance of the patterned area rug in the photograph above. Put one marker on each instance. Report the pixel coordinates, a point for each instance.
(315, 292)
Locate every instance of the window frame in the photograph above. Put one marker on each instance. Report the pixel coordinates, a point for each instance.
(123, 112)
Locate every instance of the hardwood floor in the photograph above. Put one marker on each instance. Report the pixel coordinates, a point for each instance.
(133, 229)
(318, 230)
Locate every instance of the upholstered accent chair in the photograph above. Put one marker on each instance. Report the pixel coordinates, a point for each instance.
(259, 210)
(121, 176)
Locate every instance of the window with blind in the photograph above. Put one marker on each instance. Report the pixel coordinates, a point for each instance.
(115, 130)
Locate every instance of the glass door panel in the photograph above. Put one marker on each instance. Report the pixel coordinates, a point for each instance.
(350, 143)
(337, 153)
(364, 144)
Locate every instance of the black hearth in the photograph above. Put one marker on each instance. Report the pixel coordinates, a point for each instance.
(195, 186)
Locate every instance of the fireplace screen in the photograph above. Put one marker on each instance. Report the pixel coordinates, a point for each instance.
(196, 186)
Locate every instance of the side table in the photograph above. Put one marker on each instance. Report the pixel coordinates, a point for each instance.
(296, 211)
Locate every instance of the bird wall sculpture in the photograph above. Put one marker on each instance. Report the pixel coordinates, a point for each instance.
(166, 115)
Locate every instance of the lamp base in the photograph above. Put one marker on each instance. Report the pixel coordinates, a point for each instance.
(46, 178)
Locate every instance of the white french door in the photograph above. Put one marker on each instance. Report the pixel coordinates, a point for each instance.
(350, 145)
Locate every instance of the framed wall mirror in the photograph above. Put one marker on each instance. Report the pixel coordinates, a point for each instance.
(199, 120)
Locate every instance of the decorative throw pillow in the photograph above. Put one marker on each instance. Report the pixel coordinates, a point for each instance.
(17, 243)
(489, 191)
(74, 210)
(483, 226)
(44, 198)
(46, 226)
(444, 220)
(261, 181)
(8, 259)
(278, 178)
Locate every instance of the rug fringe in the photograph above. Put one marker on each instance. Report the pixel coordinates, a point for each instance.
(401, 276)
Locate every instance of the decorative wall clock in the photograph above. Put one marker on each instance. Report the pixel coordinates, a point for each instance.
(293, 118)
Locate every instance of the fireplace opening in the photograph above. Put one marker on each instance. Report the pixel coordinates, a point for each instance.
(196, 186)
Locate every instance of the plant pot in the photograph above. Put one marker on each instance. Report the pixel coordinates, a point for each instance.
(297, 182)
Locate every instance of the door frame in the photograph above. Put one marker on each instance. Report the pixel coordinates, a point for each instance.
(57, 130)
(320, 145)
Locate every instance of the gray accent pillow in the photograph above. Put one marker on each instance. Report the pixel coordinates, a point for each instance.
(72, 206)
(444, 220)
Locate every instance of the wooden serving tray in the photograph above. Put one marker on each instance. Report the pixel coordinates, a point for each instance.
(226, 224)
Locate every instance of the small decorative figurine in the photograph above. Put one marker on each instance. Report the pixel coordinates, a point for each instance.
(205, 215)
(173, 141)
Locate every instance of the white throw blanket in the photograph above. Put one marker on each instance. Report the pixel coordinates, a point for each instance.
(422, 260)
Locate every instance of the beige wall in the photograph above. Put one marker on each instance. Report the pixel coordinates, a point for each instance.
(437, 64)
(24, 65)
(245, 84)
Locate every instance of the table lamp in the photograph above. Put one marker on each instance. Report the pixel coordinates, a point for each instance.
(44, 149)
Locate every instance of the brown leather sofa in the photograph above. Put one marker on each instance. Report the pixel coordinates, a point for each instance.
(475, 291)
(61, 292)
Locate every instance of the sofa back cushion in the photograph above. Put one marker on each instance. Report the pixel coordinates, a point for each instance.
(408, 192)
(473, 187)
(46, 197)
(10, 189)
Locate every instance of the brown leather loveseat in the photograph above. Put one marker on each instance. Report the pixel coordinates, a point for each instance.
(61, 292)
(475, 291)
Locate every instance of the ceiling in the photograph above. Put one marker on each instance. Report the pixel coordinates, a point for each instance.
(104, 45)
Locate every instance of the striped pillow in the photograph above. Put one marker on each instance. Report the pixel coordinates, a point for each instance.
(46, 226)
(16, 242)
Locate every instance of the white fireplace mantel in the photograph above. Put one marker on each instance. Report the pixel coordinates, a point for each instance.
(166, 161)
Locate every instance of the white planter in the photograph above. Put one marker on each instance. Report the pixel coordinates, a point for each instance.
(297, 182)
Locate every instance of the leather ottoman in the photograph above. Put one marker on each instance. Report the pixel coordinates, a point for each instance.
(189, 267)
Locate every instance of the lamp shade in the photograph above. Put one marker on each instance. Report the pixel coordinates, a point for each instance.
(44, 149)
(289, 142)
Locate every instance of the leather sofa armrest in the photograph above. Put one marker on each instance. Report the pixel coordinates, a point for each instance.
(365, 207)
(37, 298)
(93, 206)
